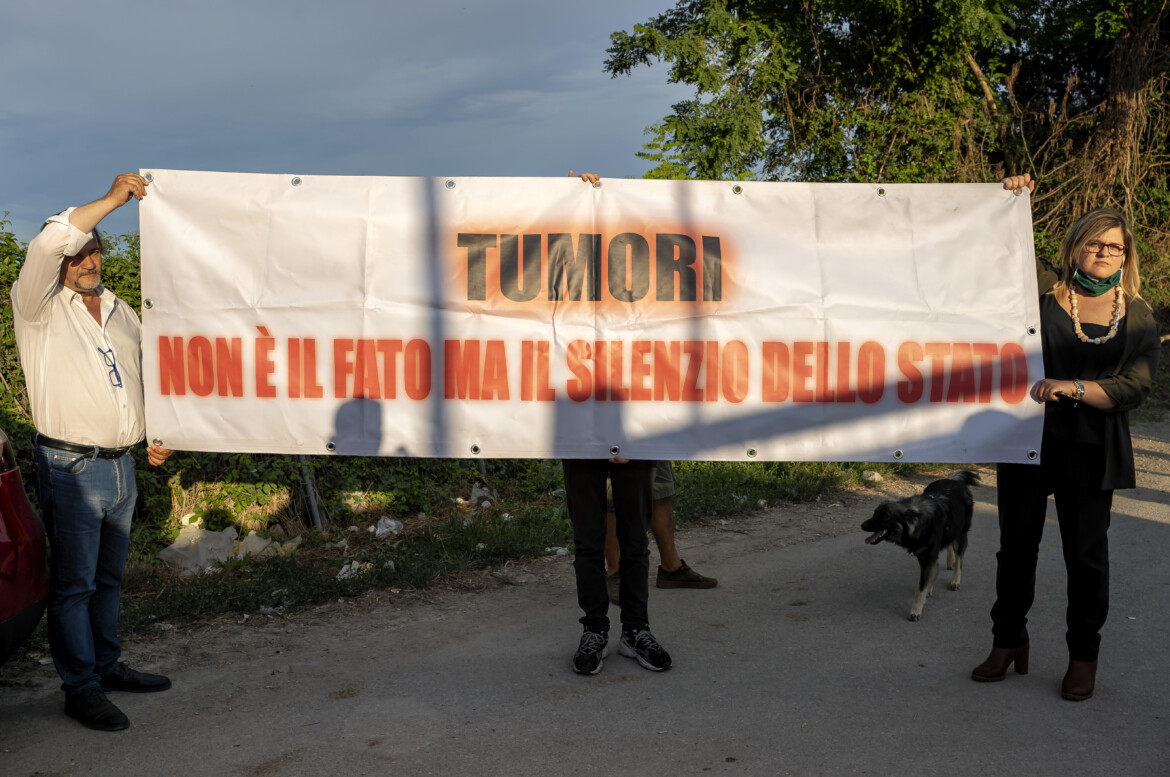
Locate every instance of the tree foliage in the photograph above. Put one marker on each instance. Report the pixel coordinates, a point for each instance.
(1072, 91)
(841, 91)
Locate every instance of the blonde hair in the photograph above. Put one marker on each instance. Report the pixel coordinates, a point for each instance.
(1089, 227)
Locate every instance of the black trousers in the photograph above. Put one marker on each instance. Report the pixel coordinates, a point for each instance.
(1072, 472)
(585, 494)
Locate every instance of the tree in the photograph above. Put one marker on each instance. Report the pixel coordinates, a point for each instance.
(834, 90)
(1072, 91)
(15, 419)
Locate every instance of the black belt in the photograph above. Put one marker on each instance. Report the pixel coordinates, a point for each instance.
(93, 451)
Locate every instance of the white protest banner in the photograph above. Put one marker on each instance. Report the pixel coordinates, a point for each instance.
(509, 317)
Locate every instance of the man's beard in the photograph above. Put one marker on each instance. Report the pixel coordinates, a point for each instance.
(90, 281)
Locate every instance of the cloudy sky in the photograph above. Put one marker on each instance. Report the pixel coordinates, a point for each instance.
(438, 87)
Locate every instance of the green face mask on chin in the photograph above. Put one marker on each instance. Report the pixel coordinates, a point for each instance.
(1094, 287)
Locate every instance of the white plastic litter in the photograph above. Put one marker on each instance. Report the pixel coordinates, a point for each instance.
(252, 545)
(352, 569)
(479, 493)
(388, 527)
(197, 550)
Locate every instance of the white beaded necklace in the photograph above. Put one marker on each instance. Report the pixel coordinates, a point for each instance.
(1072, 302)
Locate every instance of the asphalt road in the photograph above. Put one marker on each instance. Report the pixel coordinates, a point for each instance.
(801, 662)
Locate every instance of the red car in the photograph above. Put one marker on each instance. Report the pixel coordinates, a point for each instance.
(24, 572)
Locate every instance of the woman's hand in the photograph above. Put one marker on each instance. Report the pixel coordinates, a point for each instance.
(1047, 390)
(1017, 183)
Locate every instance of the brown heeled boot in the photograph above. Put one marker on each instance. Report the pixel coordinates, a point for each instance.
(995, 667)
(1079, 680)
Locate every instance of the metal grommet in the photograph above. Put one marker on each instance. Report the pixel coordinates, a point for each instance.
(149, 177)
(449, 183)
(751, 452)
(614, 450)
(737, 189)
(330, 447)
(1018, 192)
(475, 450)
(1032, 331)
(1033, 455)
(881, 191)
(296, 181)
(597, 184)
(156, 441)
(897, 454)
(148, 303)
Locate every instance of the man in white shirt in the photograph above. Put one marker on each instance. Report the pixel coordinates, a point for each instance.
(80, 348)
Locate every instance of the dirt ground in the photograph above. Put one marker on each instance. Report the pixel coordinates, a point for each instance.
(241, 636)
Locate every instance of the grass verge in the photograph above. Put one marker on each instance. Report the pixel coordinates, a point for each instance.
(527, 520)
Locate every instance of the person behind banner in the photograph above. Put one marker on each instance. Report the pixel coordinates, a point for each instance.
(1101, 351)
(673, 571)
(80, 348)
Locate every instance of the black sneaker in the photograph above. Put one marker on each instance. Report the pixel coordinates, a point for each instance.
(593, 648)
(640, 644)
(123, 678)
(92, 709)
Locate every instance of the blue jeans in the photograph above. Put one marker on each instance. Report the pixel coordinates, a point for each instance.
(87, 504)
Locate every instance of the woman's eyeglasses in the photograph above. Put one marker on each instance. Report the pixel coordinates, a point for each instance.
(1113, 249)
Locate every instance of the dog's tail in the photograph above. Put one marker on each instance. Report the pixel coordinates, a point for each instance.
(965, 477)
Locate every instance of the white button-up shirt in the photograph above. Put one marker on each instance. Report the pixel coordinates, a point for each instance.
(70, 385)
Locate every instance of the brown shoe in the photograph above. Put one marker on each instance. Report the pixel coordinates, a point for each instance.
(1079, 680)
(997, 664)
(683, 577)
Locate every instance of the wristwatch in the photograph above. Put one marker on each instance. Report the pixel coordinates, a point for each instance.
(1080, 389)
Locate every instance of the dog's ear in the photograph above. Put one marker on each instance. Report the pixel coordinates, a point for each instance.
(878, 519)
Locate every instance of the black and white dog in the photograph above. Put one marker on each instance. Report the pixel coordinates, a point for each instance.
(939, 518)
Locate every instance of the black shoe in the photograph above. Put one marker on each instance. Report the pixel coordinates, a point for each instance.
(92, 709)
(640, 644)
(123, 678)
(591, 651)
